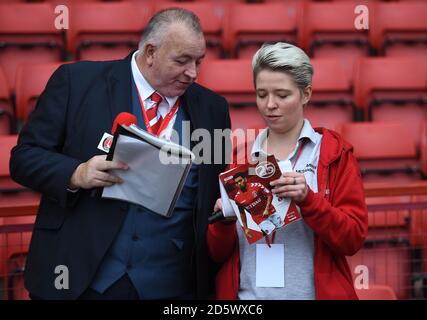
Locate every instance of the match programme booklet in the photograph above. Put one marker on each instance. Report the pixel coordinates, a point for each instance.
(246, 190)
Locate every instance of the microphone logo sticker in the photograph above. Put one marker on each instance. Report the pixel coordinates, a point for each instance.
(265, 170)
(106, 142)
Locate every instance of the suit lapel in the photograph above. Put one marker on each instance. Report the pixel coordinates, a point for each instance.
(191, 106)
(119, 87)
(199, 120)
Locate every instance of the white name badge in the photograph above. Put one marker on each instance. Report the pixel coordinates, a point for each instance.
(105, 143)
(270, 266)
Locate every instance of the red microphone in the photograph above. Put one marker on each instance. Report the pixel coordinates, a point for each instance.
(123, 118)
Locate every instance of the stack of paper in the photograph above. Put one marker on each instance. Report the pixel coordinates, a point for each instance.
(157, 169)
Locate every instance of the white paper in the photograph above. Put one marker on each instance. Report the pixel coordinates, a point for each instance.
(285, 166)
(270, 266)
(227, 209)
(147, 182)
(165, 145)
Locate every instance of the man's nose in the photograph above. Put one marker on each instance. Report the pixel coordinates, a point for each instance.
(191, 71)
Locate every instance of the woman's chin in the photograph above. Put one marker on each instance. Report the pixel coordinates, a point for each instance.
(275, 126)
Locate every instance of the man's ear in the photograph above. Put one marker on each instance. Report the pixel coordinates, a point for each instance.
(149, 52)
(306, 94)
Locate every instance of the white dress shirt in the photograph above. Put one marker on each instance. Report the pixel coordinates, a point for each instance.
(146, 90)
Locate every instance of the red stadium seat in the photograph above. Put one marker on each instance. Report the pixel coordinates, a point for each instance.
(248, 26)
(400, 29)
(28, 35)
(12, 243)
(246, 117)
(68, 2)
(396, 248)
(385, 218)
(211, 15)
(423, 146)
(377, 140)
(233, 79)
(377, 292)
(393, 90)
(7, 117)
(332, 99)
(419, 217)
(327, 30)
(7, 142)
(105, 31)
(388, 262)
(215, 1)
(386, 257)
(385, 151)
(27, 92)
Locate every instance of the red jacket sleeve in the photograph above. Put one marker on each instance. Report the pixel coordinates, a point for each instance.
(343, 222)
(221, 239)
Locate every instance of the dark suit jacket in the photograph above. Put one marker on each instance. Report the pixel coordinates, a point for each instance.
(78, 105)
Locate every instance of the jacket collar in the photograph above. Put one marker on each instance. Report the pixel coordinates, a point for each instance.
(192, 106)
(119, 86)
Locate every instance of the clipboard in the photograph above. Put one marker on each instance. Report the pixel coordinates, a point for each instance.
(157, 170)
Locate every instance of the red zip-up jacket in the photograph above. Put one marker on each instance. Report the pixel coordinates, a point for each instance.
(337, 214)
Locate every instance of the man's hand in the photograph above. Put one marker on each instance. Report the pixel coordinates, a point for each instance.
(93, 173)
(265, 213)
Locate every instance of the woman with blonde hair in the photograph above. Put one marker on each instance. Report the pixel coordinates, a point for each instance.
(325, 183)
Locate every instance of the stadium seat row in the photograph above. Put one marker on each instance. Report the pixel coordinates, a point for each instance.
(376, 89)
(105, 30)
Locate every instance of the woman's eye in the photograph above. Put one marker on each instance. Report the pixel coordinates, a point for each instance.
(283, 96)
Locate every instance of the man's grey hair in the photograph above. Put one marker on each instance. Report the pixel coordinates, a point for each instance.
(284, 57)
(157, 27)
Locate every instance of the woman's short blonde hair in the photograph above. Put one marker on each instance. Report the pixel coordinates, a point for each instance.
(284, 57)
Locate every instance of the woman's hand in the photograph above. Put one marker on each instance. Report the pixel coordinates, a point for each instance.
(248, 232)
(218, 207)
(290, 185)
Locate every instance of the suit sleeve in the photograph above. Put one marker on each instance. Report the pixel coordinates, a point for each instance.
(227, 149)
(221, 238)
(343, 225)
(37, 161)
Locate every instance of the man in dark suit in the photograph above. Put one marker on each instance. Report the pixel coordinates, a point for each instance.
(112, 249)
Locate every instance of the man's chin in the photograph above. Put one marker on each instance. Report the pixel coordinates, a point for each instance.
(177, 92)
